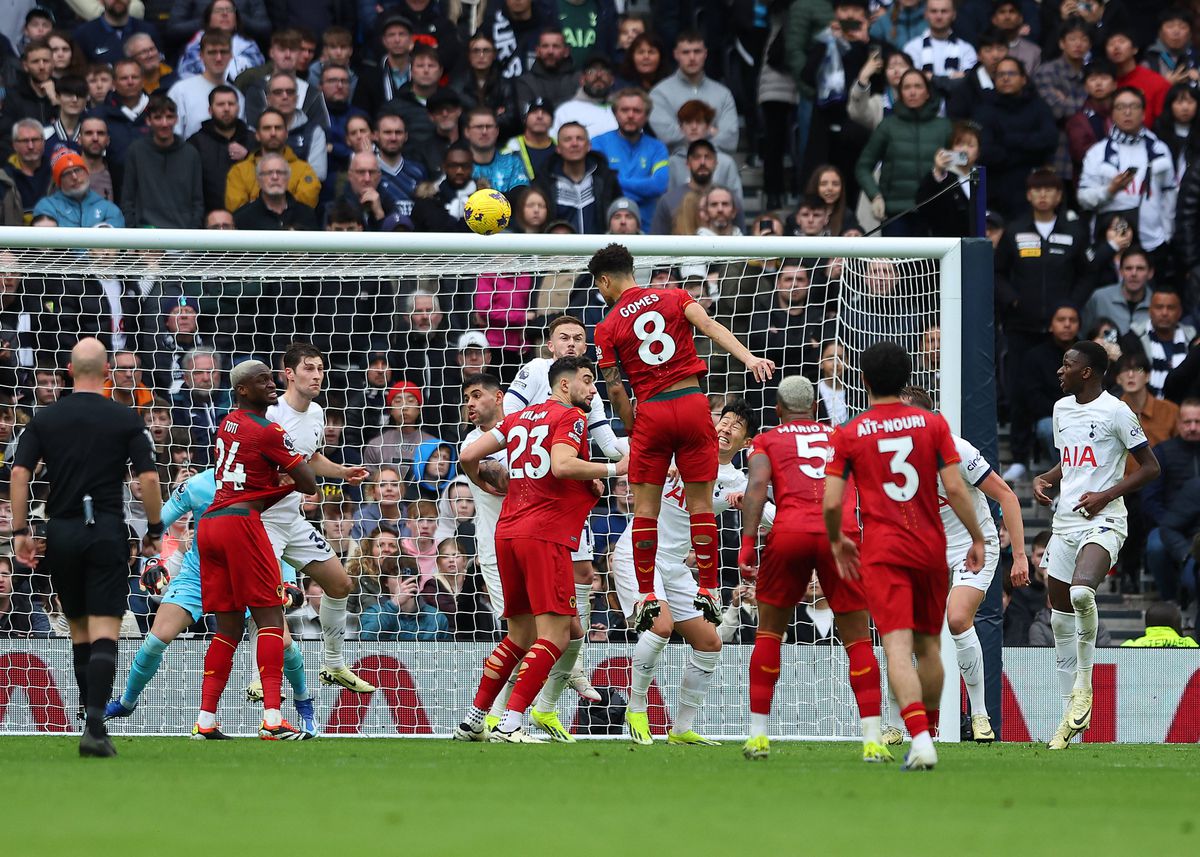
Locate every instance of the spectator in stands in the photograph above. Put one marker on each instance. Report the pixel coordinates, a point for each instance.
(624, 217)
(501, 171)
(531, 211)
(1060, 84)
(285, 56)
(124, 384)
(1164, 627)
(125, 111)
(1176, 124)
(458, 594)
(1128, 302)
(304, 622)
(1018, 135)
(74, 203)
(1009, 20)
(29, 168)
(456, 514)
(905, 143)
(1120, 47)
(687, 83)
(105, 177)
(72, 99)
(156, 74)
(274, 208)
(400, 175)
(695, 120)
(336, 83)
(420, 344)
(418, 544)
(827, 183)
(11, 209)
(411, 102)
(386, 509)
(241, 185)
(811, 218)
(1159, 418)
(200, 402)
(306, 137)
(1172, 55)
(371, 197)
(337, 49)
(191, 17)
(444, 109)
(1041, 632)
(645, 63)
(21, 615)
(1174, 563)
(399, 615)
(1131, 173)
(579, 181)
(99, 77)
(590, 105)
(222, 141)
(163, 184)
(399, 441)
(943, 194)
(380, 85)
(534, 145)
(720, 213)
(639, 160)
(337, 523)
(1163, 339)
(104, 38)
(431, 27)
(514, 27)
(938, 51)
(783, 324)
(192, 94)
(552, 77)
(439, 204)
(963, 96)
(1094, 120)
(502, 308)
(1179, 461)
(480, 84)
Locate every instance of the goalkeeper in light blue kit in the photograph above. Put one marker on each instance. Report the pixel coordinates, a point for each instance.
(181, 607)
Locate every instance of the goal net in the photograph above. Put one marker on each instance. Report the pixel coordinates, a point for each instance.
(402, 319)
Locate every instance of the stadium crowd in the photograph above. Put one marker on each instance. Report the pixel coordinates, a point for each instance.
(385, 115)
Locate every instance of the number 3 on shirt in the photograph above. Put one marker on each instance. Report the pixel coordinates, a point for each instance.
(228, 470)
(651, 330)
(900, 448)
(535, 440)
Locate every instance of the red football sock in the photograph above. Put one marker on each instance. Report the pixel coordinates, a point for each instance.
(705, 544)
(864, 678)
(934, 717)
(270, 665)
(496, 669)
(534, 670)
(218, 661)
(915, 719)
(645, 549)
(764, 672)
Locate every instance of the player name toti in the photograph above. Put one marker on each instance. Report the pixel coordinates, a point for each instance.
(904, 423)
(641, 303)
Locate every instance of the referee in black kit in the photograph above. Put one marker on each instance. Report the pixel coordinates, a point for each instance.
(86, 442)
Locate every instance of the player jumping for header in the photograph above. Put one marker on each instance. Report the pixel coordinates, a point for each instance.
(1094, 433)
(650, 332)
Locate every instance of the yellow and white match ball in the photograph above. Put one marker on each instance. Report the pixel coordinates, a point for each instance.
(487, 212)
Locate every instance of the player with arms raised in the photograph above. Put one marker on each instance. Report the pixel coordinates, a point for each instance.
(967, 589)
(674, 580)
(1094, 433)
(552, 488)
(791, 459)
(238, 567)
(293, 537)
(895, 454)
(650, 333)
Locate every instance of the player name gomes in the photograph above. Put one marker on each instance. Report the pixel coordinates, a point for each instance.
(904, 423)
(641, 303)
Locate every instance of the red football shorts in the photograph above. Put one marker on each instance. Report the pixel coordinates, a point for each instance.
(788, 562)
(678, 427)
(238, 568)
(537, 577)
(903, 598)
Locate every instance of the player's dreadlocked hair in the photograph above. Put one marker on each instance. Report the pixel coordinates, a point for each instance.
(886, 367)
(567, 366)
(613, 259)
(741, 410)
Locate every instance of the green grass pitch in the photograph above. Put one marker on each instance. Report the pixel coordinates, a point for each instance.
(174, 797)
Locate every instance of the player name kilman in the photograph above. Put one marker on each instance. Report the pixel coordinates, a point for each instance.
(868, 426)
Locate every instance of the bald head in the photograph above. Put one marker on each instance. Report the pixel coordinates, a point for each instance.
(89, 360)
(796, 395)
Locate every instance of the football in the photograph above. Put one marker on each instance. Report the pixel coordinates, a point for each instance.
(487, 212)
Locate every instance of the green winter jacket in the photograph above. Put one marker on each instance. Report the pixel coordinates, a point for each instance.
(904, 143)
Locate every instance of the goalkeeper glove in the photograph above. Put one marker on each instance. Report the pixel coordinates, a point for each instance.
(293, 596)
(154, 578)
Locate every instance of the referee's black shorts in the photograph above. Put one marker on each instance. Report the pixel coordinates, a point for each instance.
(89, 565)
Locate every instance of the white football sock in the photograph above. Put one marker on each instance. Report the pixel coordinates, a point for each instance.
(696, 677)
(646, 655)
(872, 730)
(1066, 654)
(547, 699)
(475, 717)
(1087, 621)
(207, 719)
(970, 665)
(501, 703)
(758, 725)
(923, 743)
(333, 630)
(511, 721)
(583, 606)
(272, 717)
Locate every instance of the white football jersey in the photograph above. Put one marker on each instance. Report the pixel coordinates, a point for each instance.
(973, 468)
(487, 506)
(674, 523)
(532, 387)
(1093, 442)
(307, 431)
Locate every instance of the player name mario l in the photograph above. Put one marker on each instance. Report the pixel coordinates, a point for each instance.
(904, 423)
(801, 428)
(641, 303)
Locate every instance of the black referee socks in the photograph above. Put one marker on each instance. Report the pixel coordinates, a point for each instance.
(81, 653)
(101, 670)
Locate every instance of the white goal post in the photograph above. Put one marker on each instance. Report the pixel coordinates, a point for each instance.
(252, 292)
